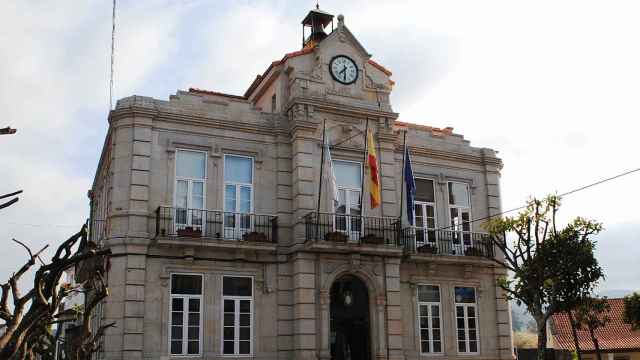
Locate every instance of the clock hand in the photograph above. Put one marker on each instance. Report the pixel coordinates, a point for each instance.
(344, 73)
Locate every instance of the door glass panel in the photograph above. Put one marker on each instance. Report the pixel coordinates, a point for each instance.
(341, 224)
(197, 196)
(245, 199)
(229, 205)
(348, 174)
(458, 194)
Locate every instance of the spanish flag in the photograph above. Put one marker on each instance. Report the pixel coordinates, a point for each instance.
(374, 178)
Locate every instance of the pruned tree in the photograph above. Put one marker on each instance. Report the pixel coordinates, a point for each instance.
(27, 328)
(631, 313)
(550, 268)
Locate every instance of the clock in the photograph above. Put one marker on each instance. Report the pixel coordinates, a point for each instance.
(343, 69)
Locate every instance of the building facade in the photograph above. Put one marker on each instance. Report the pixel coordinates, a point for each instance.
(209, 203)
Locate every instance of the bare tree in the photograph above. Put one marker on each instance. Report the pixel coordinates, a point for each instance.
(28, 322)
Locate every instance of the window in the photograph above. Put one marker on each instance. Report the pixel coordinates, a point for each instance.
(425, 212)
(237, 326)
(429, 319)
(460, 216)
(191, 177)
(466, 320)
(349, 181)
(273, 103)
(185, 333)
(238, 195)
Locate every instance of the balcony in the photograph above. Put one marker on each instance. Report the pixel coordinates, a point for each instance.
(352, 229)
(193, 224)
(447, 242)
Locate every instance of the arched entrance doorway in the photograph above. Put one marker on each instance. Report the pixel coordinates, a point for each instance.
(349, 320)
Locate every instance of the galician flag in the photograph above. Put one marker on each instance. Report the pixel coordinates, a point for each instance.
(329, 179)
(374, 178)
(410, 186)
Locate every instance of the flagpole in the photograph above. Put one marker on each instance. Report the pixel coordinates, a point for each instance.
(364, 161)
(324, 132)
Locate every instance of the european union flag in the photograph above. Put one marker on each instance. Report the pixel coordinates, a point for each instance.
(410, 185)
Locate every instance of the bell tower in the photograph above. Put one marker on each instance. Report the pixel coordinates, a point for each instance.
(317, 20)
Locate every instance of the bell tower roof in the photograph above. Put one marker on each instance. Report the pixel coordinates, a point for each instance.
(317, 20)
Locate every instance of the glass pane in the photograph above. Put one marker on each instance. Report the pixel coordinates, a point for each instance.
(473, 346)
(245, 347)
(190, 164)
(428, 293)
(193, 347)
(230, 198)
(437, 346)
(193, 332)
(245, 333)
(229, 333)
(238, 169)
(354, 202)
(186, 284)
(176, 332)
(194, 319)
(348, 174)
(459, 311)
(236, 286)
(460, 323)
(176, 304)
(229, 306)
(245, 199)
(424, 190)
(229, 319)
(436, 334)
(435, 322)
(194, 305)
(245, 319)
(461, 335)
(176, 347)
(472, 322)
(176, 318)
(424, 310)
(197, 196)
(435, 310)
(245, 306)
(472, 334)
(227, 347)
(419, 216)
(465, 295)
(461, 346)
(458, 194)
(181, 194)
(424, 334)
(424, 322)
(424, 346)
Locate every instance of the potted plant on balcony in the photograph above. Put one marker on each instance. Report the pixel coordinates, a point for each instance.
(189, 231)
(255, 236)
(336, 236)
(428, 249)
(372, 239)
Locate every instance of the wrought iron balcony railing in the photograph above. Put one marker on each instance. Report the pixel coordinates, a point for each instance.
(447, 242)
(174, 222)
(357, 229)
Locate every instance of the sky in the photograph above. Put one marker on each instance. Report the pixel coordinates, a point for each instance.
(551, 85)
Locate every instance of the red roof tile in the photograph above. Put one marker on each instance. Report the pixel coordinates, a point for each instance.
(434, 130)
(380, 67)
(208, 92)
(616, 335)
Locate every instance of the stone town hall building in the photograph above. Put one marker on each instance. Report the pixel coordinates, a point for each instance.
(209, 204)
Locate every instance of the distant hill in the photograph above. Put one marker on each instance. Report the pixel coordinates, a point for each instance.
(615, 293)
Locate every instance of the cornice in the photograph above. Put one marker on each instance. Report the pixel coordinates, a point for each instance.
(450, 155)
(341, 109)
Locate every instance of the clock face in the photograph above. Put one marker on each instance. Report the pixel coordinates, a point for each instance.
(343, 69)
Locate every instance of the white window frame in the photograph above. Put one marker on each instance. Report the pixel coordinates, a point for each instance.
(354, 235)
(425, 226)
(430, 320)
(236, 230)
(185, 317)
(466, 307)
(236, 332)
(190, 181)
(458, 231)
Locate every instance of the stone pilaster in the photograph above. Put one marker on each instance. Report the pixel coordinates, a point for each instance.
(388, 169)
(394, 310)
(304, 307)
(504, 346)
